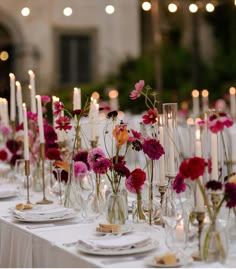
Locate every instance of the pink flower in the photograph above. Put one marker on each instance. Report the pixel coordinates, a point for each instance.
(32, 116)
(45, 99)
(136, 180)
(151, 116)
(58, 107)
(153, 148)
(178, 184)
(136, 136)
(63, 123)
(216, 123)
(5, 130)
(95, 155)
(80, 168)
(101, 166)
(137, 91)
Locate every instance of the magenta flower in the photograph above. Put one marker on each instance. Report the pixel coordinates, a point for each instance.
(80, 168)
(178, 184)
(63, 123)
(58, 107)
(121, 170)
(151, 116)
(94, 155)
(153, 148)
(32, 116)
(53, 154)
(136, 136)
(129, 185)
(137, 91)
(216, 123)
(45, 99)
(101, 166)
(83, 157)
(136, 180)
(5, 130)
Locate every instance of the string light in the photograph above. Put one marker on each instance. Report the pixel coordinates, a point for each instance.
(109, 9)
(146, 6)
(193, 8)
(25, 11)
(67, 11)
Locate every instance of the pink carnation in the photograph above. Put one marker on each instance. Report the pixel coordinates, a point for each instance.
(80, 168)
(45, 99)
(152, 148)
(94, 155)
(101, 166)
(5, 130)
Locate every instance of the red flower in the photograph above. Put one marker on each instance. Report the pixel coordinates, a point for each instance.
(19, 127)
(101, 166)
(217, 122)
(118, 159)
(230, 194)
(136, 136)
(184, 169)
(12, 145)
(136, 180)
(83, 157)
(196, 167)
(121, 170)
(32, 116)
(3, 154)
(58, 107)
(214, 185)
(151, 116)
(153, 148)
(63, 123)
(53, 154)
(178, 184)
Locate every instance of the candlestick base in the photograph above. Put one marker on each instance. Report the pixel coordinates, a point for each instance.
(94, 143)
(27, 173)
(44, 202)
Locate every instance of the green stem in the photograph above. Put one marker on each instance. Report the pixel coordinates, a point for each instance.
(140, 213)
(151, 194)
(228, 163)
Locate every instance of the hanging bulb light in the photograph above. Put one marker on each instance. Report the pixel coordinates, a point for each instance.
(172, 7)
(210, 7)
(146, 6)
(193, 8)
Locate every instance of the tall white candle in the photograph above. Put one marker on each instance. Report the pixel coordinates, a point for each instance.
(171, 148)
(195, 95)
(5, 109)
(205, 106)
(12, 97)
(19, 101)
(54, 99)
(77, 99)
(200, 207)
(26, 138)
(232, 92)
(61, 133)
(32, 90)
(214, 156)
(162, 158)
(93, 119)
(40, 119)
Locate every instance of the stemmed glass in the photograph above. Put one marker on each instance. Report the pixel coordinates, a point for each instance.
(85, 186)
(58, 187)
(19, 170)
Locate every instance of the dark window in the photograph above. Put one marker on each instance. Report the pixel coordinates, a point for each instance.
(75, 59)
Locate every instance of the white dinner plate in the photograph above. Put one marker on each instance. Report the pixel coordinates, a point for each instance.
(124, 230)
(153, 244)
(182, 261)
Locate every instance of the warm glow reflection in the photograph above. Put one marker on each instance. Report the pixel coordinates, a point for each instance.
(190, 121)
(197, 120)
(25, 11)
(195, 93)
(95, 95)
(67, 11)
(4, 55)
(31, 73)
(109, 9)
(113, 94)
(172, 7)
(193, 8)
(205, 93)
(121, 114)
(210, 7)
(232, 90)
(198, 134)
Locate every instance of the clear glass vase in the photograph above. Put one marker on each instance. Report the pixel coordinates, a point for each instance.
(214, 243)
(138, 214)
(116, 209)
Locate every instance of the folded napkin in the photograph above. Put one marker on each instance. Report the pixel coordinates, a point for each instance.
(43, 215)
(6, 191)
(128, 241)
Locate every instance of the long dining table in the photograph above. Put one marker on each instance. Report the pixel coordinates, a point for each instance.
(54, 244)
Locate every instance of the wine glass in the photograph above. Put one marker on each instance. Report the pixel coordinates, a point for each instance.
(85, 186)
(58, 188)
(19, 174)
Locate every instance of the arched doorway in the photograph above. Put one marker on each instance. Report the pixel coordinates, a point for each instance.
(6, 60)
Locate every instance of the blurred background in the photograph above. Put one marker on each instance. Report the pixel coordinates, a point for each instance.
(99, 45)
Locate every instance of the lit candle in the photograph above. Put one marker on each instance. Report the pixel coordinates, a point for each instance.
(195, 95)
(113, 95)
(214, 156)
(32, 90)
(61, 133)
(232, 92)
(198, 152)
(12, 97)
(26, 138)
(205, 94)
(40, 119)
(77, 99)
(179, 231)
(19, 101)
(93, 119)
(162, 158)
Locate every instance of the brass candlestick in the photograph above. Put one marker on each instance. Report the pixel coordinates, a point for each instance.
(44, 201)
(27, 173)
(94, 143)
(162, 191)
(200, 218)
(13, 126)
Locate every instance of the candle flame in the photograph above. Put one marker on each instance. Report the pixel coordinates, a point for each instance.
(113, 94)
(95, 95)
(31, 73)
(205, 93)
(198, 135)
(195, 93)
(11, 75)
(190, 121)
(24, 106)
(18, 84)
(232, 90)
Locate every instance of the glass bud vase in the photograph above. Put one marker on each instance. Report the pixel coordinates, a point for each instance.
(116, 209)
(138, 214)
(214, 243)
